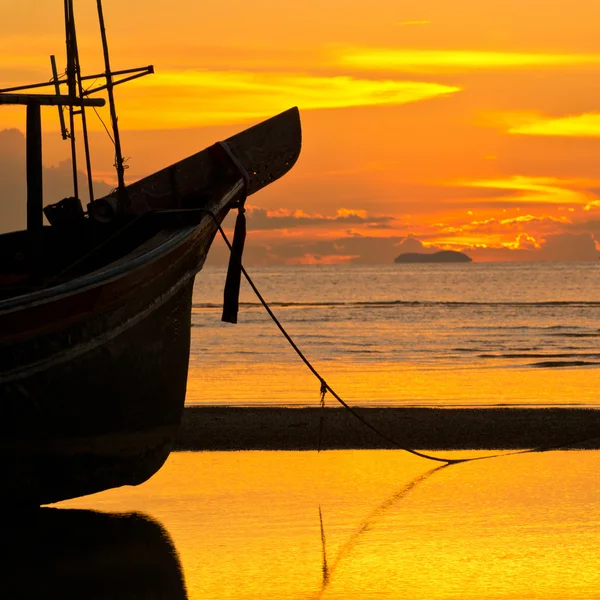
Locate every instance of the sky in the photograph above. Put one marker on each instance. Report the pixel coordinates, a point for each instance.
(427, 125)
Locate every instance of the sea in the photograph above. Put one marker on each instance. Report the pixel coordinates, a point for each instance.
(475, 334)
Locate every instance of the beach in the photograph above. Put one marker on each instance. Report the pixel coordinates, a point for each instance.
(244, 428)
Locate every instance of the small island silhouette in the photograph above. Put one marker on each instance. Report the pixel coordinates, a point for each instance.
(444, 256)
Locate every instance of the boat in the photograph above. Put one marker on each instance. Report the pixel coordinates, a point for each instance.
(95, 308)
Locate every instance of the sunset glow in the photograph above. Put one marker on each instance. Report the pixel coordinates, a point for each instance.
(466, 129)
(587, 125)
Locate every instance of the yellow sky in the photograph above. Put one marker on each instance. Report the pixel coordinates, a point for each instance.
(465, 125)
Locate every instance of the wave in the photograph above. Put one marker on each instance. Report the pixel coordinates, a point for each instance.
(576, 335)
(541, 355)
(409, 303)
(550, 364)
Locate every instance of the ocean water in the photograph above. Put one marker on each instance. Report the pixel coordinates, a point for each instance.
(452, 335)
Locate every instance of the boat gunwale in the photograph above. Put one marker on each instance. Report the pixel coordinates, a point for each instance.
(110, 272)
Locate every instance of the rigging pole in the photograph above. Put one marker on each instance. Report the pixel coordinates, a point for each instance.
(121, 193)
(80, 92)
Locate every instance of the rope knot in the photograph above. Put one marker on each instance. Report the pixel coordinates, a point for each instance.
(323, 391)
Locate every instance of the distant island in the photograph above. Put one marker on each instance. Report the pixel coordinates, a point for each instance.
(445, 256)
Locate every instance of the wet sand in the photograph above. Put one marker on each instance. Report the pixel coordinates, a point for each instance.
(235, 428)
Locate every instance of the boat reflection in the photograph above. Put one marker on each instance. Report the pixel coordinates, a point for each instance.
(57, 553)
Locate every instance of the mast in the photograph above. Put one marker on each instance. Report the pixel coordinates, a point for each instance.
(77, 93)
(121, 194)
(71, 92)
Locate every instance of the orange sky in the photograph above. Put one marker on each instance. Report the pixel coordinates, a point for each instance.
(458, 125)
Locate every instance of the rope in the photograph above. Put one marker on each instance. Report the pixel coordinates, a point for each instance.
(110, 137)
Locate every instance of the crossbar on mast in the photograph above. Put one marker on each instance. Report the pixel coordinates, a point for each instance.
(141, 71)
(114, 83)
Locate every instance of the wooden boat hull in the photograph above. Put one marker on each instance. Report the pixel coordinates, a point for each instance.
(94, 351)
(90, 403)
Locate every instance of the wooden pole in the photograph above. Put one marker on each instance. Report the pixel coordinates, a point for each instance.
(72, 92)
(113, 113)
(79, 88)
(35, 197)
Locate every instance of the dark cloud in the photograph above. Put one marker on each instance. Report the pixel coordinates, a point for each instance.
(412, 244)
(592, 226)
(259, 219)
(58, 181)
(379, 226)
(568, 246)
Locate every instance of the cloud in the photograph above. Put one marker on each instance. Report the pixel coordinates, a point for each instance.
(556, 247)
(539, 190)
(568, 246)
(438, 61)
(262, 219)
(494, 225)
(592, 225)
(411, 244)
(58, 181)
(584, 125)
(198, 98)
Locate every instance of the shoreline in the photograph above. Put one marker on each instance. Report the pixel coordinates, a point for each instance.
(216, 428)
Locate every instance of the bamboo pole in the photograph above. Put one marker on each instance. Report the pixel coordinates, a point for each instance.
(113, 113)
(72, 92)
(79, 90)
